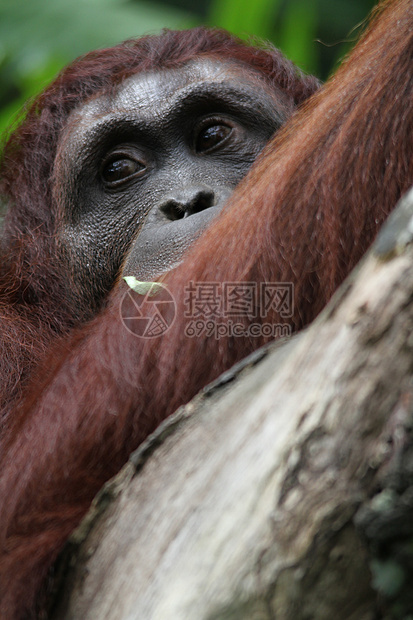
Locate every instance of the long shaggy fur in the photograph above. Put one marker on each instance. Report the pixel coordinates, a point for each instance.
(306, 213)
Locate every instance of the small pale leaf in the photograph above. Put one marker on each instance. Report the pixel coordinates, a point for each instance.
(142, 288)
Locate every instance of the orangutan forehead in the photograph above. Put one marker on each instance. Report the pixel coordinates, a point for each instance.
(158, 92)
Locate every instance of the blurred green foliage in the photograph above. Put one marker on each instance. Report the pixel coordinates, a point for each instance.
(315, 34)
(38, 37)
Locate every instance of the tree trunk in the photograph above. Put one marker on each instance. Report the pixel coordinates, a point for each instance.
(283, 491)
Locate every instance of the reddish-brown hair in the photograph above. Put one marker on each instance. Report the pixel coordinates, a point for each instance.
(305, 214)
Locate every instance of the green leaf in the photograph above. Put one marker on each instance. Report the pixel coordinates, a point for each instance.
(143, 288)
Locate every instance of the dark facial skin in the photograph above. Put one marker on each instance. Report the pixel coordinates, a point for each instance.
(141, 173)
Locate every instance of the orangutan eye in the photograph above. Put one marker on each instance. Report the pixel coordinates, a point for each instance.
(211, 137)
(119, 169)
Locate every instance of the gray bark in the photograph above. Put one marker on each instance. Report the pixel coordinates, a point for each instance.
(285, 490)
